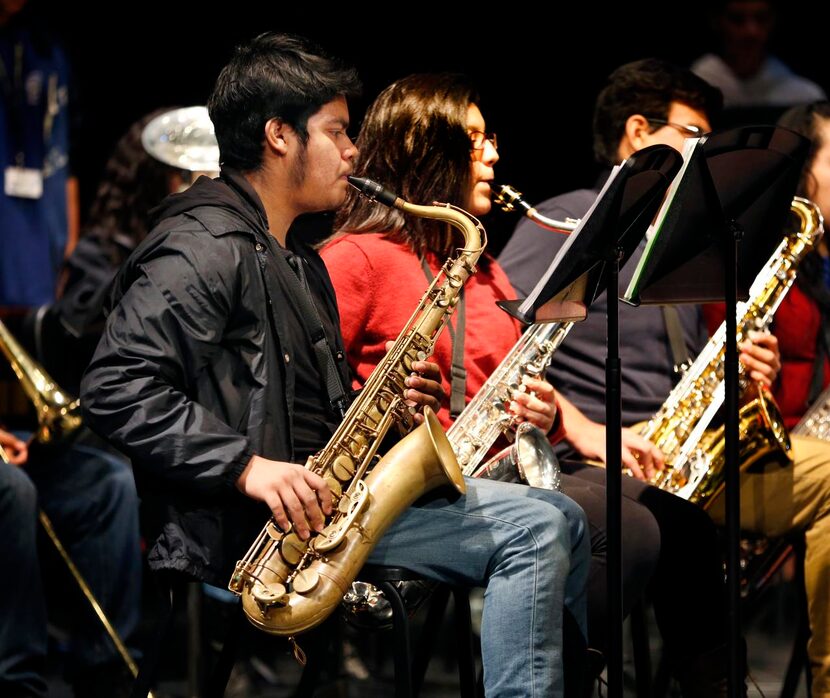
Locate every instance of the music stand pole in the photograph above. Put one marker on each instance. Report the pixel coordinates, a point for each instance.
(613, 479)
(733, 488)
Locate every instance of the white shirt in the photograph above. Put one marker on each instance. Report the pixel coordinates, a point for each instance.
(774, 85)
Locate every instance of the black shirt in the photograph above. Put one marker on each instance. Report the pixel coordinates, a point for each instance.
(315, 420)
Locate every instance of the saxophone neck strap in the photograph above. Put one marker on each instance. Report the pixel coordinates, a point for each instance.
(295, 276)
(458, 374)
(674, 331)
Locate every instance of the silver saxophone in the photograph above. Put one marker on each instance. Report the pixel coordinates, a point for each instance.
(816, 420)
(530, 458)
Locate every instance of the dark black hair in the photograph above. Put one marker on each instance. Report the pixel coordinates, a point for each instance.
(272, 76)
(646, 87)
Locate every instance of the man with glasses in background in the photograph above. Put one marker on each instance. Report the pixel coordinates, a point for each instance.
(644, 103)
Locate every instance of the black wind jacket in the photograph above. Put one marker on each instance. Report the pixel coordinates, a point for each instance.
(194, 373)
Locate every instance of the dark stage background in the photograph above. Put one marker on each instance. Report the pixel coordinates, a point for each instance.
(531, 67)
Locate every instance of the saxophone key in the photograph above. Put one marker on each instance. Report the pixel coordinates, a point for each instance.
(334, 485)
(274, 594)
(343, 467)
(344, 504)
(305, 581)
(292, 548)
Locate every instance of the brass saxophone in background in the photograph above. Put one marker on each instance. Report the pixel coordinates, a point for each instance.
(288, 585)
(694, 456)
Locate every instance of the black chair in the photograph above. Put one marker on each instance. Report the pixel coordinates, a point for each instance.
(410, 669)
(761, 559)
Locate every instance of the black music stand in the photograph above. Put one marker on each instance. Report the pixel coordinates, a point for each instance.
(585, 266)
(736, 187)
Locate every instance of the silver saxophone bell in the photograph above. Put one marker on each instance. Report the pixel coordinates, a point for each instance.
(184, 139)
(529, 459)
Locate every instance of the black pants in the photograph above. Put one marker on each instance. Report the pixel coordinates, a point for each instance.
(670, 550)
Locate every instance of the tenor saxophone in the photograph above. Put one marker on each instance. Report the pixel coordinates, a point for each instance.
(288, 585)
(680, 429)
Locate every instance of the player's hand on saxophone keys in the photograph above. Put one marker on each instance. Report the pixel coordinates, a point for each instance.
(760, 356)
(423, 387)
(536, 403)
(294, 494)
(16, 450)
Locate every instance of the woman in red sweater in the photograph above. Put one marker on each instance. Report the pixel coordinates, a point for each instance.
(425, 138)
(382, 266)
(802, 322)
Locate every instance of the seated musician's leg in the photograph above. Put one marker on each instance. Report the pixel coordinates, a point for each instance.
(23, 628)
(528, 548)
(91, 499)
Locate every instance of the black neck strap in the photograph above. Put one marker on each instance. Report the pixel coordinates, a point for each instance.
(458, 375)
(674, 331)
(292, 269)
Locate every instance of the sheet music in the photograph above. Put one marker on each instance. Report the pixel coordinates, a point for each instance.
(652, 233)
(528, 304)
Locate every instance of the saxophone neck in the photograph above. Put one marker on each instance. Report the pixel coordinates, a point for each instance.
(474, 235)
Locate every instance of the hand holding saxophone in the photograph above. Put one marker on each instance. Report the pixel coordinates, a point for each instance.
(641, 457)
(294, 493)
(535, 402)
(424, 387)
(761, 357)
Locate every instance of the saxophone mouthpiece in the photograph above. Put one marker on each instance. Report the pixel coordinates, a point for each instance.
(509, 198)
(372, 190)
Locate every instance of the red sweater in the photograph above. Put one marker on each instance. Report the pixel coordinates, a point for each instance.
(797, 324)
(379, 284)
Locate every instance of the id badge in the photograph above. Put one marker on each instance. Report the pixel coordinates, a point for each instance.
(23, 182)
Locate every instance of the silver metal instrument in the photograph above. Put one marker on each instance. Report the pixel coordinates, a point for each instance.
(184, 139)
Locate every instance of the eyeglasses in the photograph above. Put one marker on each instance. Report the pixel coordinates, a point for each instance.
(687, 130)
(479, 138)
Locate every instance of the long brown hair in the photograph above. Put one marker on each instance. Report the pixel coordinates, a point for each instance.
(414, 141)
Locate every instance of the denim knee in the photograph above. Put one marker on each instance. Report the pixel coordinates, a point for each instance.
(546, 526)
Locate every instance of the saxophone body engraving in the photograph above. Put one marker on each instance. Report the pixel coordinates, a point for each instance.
(816, 420)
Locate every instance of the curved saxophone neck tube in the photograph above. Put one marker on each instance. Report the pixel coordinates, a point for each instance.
(468, 224)
(510, 199)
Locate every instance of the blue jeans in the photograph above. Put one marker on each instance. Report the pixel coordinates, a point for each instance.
(529, 549)
(90, 497)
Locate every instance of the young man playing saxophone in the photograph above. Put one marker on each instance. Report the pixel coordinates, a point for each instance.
(206, 376)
